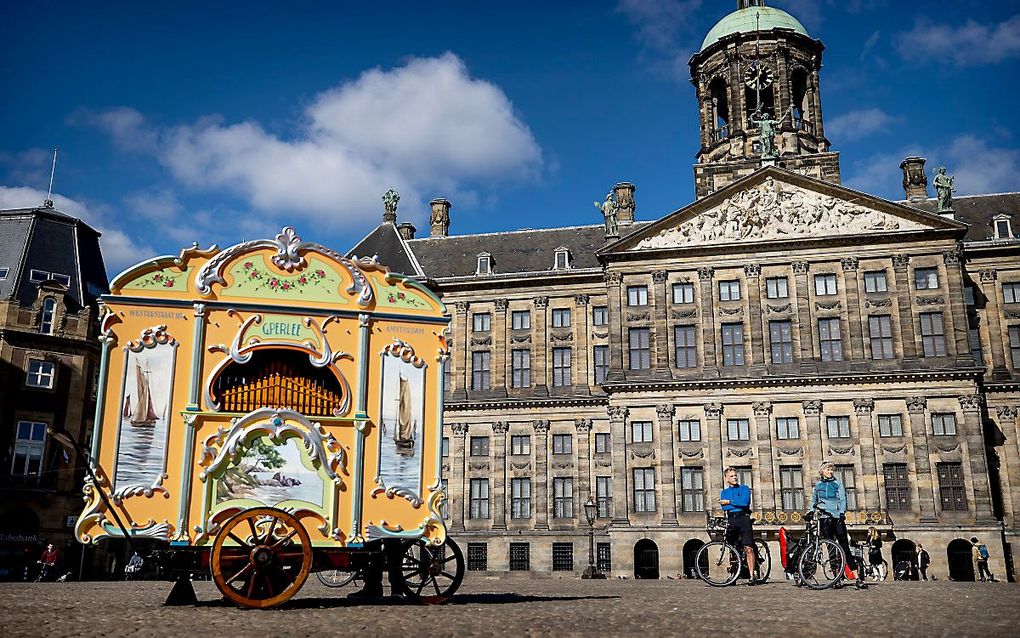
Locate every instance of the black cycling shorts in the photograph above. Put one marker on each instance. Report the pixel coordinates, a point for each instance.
(740, 532)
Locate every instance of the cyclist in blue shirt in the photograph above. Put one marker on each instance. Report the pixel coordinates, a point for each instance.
(829, 495)
(735, 500)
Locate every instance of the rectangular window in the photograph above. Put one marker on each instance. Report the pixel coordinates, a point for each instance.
(447, 376)
(737, 430)
(520, 368)
(880, 334)
(845, 473)
(602, 445)
(37, 276)
(686, 339)
(520, 557)
(478, 557)
(520, 320)
(49, 310)
(830, 341)
(781, 341)
(4, 272)
(480, 370)
(692, 490)
(1011, 292)
(1014, 346)
(733, 344)
(777, 288)
(690, 430)
(520, 498)
(561, 317)
(561, 259)
(604, 496)
(600, 316)
(968, 296)
(563, 498)
(875, 281)
(600, 355)
(644, 489)
(479, 498)
(933, 334)
(838, 426)
(890, 425)
(1002, 229)
(604, 557)
(825, 285)
(40, 374)
(791, 487)
(897, 486)
(787, 428)
(641, 432)
(481, 322)
(561, 367)
(974, 337)
(563, 557)
(683, 293)
(62, 279)
(951, 488)
(29, 446)
(637, 295)
(520, 444)
(926, 278)
(563, 444)
(744, 475)
(943, 424)
(479, 446)
(446, 446)
(640, 349)
(729, 290)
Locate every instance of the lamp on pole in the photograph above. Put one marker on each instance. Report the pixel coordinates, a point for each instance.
(591, 511)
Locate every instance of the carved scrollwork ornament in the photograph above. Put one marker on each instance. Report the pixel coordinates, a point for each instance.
(659, 276)
(864, 406)
(462, 307)
(541, 426)
(500, 428)
(1006, 412)
(988, 275)
(501, 305)
(801, 267)
(971, 402)
(460, 429)
(581, 300)
(952, 257)
(782, 308)
(916, 405)
(665, 411)
(583, 425)
(705, 273)
(752, 270)
(849, 264)
(613, 278)
(762, 408)
(713, 410)
(900, 262)
(685, 314)
(617, 412)
(812, 407)
(541, 302)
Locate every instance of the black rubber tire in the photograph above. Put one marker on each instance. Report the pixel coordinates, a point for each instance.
(817, 565)
(765, 567)
(723, 564)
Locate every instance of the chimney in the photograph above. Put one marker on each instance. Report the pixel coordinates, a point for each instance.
(915, 182)
(406, 230)
(439, 220)
(624, 192)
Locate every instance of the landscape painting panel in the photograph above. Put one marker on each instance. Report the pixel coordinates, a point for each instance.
(403, 416)
(271, 474)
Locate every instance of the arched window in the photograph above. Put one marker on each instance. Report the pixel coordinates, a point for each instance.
(49, 310)
(799, 99)
(720, 109)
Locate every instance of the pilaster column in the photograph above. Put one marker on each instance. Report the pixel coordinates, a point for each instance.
(499, 474)
(958, 326)
(666, 464)
(462, 335)
(996, 342)
(974, 439)
(801, 270)
(901, 298)
(869, 463)
(661, 324)
(541, 482)
(583, 459)
(458, 478)
(853, 307)
(765, 486)
(715, 464)
(500, 353)
(752, 273)
(711, 365)
(813, 429)
(582, 357)
(614, 281)
(1011, 495)
(540, 368)
(916, 408)
(618, 439)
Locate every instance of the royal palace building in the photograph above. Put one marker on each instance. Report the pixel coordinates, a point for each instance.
(779, 320)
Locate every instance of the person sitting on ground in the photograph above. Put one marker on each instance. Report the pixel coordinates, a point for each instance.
(735, 500)
(830, 496)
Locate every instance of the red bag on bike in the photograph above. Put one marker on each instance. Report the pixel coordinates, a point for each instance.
(782, 545)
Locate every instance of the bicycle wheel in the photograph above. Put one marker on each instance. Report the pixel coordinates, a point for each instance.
(764, 561)
(338, 577)
(821, 565)
(718, 564)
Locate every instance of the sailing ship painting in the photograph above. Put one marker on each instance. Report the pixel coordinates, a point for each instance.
(147, 385)
(403, 410)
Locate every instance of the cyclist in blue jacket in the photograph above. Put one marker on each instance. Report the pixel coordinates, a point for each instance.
(829, 495)
(735, 500)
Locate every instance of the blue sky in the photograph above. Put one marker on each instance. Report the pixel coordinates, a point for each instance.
(222, 121)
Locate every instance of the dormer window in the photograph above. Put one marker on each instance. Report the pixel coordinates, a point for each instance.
(38, 276)
(562, 259)
(4, 272)
(484, 264)
(60, 278)
(1003, 228)
(49, 309)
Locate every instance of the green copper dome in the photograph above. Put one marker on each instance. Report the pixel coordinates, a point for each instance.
(743, 21)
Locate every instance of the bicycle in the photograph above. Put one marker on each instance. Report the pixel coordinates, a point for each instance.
(876, 573)
(720, 563)
(820, 561)
(340, 578)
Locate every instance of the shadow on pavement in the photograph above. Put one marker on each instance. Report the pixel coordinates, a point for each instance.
(391, 601)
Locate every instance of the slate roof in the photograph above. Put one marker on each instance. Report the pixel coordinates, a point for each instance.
(392, 250)
(978, 211)
(52, 242)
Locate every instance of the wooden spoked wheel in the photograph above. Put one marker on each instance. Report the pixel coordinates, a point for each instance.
(431, 574)
(261, 557)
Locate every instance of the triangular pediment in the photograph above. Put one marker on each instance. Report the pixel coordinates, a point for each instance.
(776, 205)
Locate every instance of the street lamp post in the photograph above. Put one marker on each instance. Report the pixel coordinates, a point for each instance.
(591, 510)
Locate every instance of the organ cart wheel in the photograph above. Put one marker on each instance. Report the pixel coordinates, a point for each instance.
(261, 557)
(431, 574)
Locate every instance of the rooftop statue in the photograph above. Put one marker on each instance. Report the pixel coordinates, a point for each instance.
(768, 126)
(609, 211)
(944, 190)
(390, 200)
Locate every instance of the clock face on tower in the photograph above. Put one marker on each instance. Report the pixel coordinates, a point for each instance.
(758, 76)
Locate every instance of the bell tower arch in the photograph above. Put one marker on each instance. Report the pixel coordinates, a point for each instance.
(757, 83)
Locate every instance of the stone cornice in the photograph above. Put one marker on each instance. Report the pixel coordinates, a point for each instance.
(522, 404)
(843, 378)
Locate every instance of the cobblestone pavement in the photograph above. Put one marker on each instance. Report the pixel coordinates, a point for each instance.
(528, 607)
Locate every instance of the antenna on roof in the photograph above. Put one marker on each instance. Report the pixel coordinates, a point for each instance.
(48, 202)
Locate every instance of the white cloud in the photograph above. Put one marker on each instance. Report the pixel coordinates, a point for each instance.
(119, 250)
(659, 22)
(426, 128)
(965, 45)
(858, 123)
